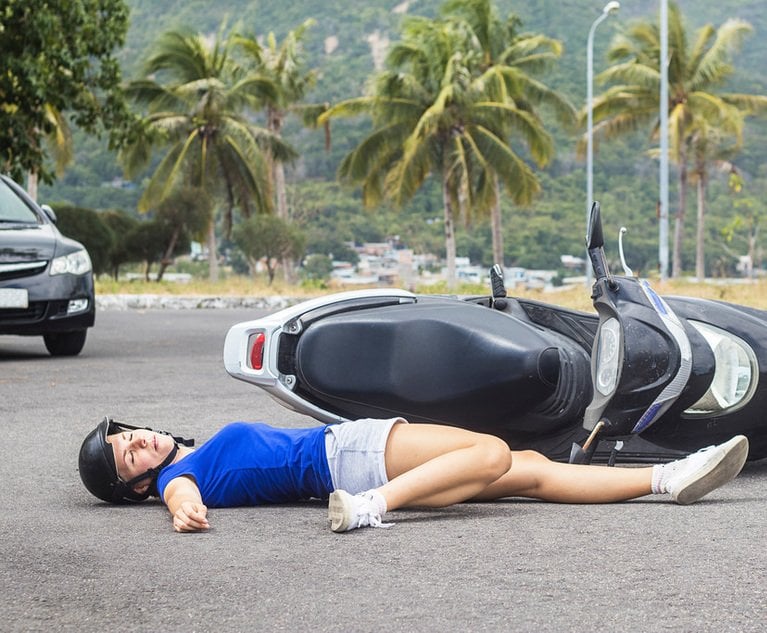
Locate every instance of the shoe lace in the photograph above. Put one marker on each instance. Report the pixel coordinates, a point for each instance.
(371, 518)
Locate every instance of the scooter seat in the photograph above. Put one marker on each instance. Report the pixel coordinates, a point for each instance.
(447, 361)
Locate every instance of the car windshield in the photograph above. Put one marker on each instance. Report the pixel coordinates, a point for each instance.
(13, 209)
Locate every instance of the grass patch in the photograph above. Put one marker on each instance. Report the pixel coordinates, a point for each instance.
(752, 294)
(231, 286)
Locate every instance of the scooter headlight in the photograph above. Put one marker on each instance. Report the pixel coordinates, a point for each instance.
(608, 356)
(735, 376)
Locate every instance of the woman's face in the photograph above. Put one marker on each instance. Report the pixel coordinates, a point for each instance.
(137, 451)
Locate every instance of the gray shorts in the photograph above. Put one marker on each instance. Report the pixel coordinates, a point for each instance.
(356, 453)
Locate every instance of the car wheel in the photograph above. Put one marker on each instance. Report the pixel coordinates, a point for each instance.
(65, 343)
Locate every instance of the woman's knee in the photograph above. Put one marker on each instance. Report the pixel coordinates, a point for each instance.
(530, 457)
(496, 456)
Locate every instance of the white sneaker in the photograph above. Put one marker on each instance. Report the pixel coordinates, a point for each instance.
(693, 477)
(348, 512)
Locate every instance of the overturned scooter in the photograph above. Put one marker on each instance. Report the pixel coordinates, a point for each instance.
(522, 369)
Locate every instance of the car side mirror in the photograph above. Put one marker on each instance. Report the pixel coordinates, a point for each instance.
(49, 212)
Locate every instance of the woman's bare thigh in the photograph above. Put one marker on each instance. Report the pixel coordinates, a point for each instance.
(410, 445)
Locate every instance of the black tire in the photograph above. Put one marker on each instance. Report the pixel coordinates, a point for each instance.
(65, 343)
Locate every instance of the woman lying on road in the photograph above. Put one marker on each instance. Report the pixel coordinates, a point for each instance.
(366, 468)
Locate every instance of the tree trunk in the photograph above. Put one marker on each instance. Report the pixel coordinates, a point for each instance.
(167, 257)
(676, 268)
(700, 233)
(281, 199)
(32, 185)
(275, 119)
(449, 233)
(280, 194)
(212, 252)
(495, 215)
(252, 266)
(271, 268)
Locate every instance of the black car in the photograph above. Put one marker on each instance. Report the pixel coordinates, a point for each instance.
(46, 279)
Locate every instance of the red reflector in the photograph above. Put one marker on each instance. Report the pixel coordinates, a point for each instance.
(257, 350)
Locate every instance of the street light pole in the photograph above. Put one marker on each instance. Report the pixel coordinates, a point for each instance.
(663, 176)
(609, 9)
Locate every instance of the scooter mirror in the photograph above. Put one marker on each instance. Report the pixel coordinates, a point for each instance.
(595, 238)
(595, 244)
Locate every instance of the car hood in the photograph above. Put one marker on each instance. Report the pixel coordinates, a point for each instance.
(19, 243)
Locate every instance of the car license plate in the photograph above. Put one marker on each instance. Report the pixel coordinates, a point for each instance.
(14, 298)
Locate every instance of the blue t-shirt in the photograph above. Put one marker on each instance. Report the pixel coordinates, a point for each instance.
(250, 463)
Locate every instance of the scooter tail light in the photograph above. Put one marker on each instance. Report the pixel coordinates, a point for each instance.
(256, 345)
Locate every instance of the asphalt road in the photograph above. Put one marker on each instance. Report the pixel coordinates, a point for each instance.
(70, 563)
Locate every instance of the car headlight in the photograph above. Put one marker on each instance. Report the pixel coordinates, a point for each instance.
(77, 263)
(608, 356)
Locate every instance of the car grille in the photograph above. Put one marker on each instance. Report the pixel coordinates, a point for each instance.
(19, 316)
(17, 270)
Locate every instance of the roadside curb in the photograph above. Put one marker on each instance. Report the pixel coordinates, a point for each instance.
(174, 302)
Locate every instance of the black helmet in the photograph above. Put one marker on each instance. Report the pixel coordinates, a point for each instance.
(99, 471)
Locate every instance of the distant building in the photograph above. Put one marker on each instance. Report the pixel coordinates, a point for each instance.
(571, 262)
(386, 264)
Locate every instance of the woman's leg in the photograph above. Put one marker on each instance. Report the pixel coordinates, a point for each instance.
(535, 476)
(436, 466)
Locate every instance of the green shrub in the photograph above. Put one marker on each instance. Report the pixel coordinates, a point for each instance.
(87, 226)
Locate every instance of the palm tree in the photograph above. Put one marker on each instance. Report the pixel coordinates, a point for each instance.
(432, 115)
(694, 74)
(712, 144)
(282, 65)
(509, 60)
(196, 105)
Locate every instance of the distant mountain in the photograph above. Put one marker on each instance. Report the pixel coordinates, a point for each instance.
(348, 35)
(349, 41)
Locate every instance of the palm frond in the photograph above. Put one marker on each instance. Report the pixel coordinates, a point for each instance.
(245, 171)
(259, 87)
(537, 139)
(713, 65)
(519, 180)
(154, 96)
(162, 180)
(377, 150)
(348, 108)
(631, 73)
(409, 172)
(750, 104)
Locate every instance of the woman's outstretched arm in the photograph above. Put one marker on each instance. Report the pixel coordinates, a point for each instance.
(185, 504)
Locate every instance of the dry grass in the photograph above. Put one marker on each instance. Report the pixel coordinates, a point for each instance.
(748, 293)
(232, 286)
(578, 297)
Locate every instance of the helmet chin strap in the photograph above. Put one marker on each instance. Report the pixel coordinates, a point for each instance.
(152, 473)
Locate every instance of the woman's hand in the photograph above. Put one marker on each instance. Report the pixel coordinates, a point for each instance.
(183, 498)
(191, 516)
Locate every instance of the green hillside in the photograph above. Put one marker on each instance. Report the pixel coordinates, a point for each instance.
(341, 46)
